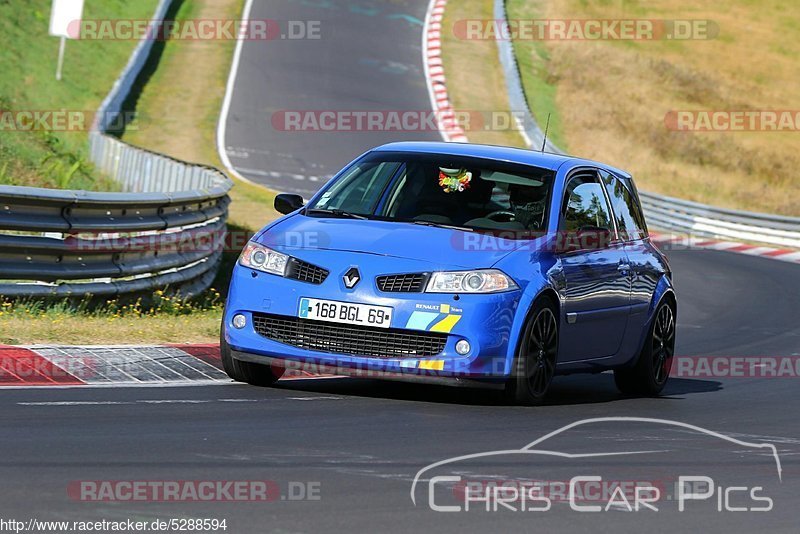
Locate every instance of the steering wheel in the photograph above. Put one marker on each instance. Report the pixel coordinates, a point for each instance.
(501, 216)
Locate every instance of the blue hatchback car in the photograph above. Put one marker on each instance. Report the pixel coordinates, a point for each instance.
(457, 263)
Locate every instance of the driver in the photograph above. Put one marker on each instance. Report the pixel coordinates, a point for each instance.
(528, 204)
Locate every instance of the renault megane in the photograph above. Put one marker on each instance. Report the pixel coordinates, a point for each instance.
(457, 263)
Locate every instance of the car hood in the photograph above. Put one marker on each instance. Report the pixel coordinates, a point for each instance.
(440, 247)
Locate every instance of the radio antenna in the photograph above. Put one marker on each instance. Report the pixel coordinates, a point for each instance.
(546, 128)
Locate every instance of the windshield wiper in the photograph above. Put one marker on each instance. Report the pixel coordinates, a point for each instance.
(337, 213)
(440, 225)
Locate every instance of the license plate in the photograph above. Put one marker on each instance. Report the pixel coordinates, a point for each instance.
(345, 312)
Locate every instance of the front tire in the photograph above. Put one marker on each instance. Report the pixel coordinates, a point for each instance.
(250, 373)
(651, 372)
(535, 363)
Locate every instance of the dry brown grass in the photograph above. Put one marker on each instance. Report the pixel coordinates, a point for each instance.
(612, 98)
(475, 79)
(181, 102)
(181, 106)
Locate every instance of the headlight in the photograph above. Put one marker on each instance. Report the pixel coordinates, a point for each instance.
(483, 281)
(263, 259)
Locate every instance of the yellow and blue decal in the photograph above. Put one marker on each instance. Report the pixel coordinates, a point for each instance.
(429, 365)
(434, 318)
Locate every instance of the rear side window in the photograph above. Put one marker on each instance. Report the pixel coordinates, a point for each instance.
(585, 207)
(628, 214)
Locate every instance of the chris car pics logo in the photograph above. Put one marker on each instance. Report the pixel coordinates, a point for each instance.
(447, 486)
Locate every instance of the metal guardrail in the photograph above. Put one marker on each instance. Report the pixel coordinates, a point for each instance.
(663, 212)
(166, 230)
(692, 218)
(518, 101)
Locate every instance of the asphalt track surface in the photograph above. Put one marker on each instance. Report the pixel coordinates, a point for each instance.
(368, 58)
(362, 441)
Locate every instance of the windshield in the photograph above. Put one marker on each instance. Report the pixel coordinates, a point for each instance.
(466, 193)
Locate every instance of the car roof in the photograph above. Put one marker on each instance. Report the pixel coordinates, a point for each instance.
(520, 156)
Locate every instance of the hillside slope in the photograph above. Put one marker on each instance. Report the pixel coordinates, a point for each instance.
(609, 98)
(28, 55)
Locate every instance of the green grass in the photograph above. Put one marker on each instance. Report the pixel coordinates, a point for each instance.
(27, 82)
(186, 102)
(177, 113)
(468, 60)
(178, 108)
(537, 73)
(160, 318)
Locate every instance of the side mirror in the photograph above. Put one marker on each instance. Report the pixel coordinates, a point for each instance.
(287, 203)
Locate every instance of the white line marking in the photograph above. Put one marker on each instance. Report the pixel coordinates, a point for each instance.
(174, 401)
(73, 403)
(110, 385)
(222, 125)
(275, 174)
(314, 398)
(168, 401)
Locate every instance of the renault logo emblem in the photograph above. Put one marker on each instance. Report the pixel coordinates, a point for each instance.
(351, 278)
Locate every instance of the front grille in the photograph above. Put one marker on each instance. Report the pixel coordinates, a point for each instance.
(402, 283)
(349, 339)
(306, 272)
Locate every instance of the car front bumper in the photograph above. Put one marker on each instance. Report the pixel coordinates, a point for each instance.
(485, 321)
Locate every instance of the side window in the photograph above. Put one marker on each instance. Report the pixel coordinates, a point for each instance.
(585, 207)
(636, 208)
(630, 222)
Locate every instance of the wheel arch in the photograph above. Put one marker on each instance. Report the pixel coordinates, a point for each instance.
(664, 293)
(527, 303)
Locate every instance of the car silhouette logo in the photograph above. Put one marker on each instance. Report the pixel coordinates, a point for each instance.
(536, 449)
(351, 278)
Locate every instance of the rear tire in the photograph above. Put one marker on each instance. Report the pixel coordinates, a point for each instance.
(537, 353)
(251, 373)
(651, 372)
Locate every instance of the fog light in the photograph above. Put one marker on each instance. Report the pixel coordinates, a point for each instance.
(462, 347)
(239, 321)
